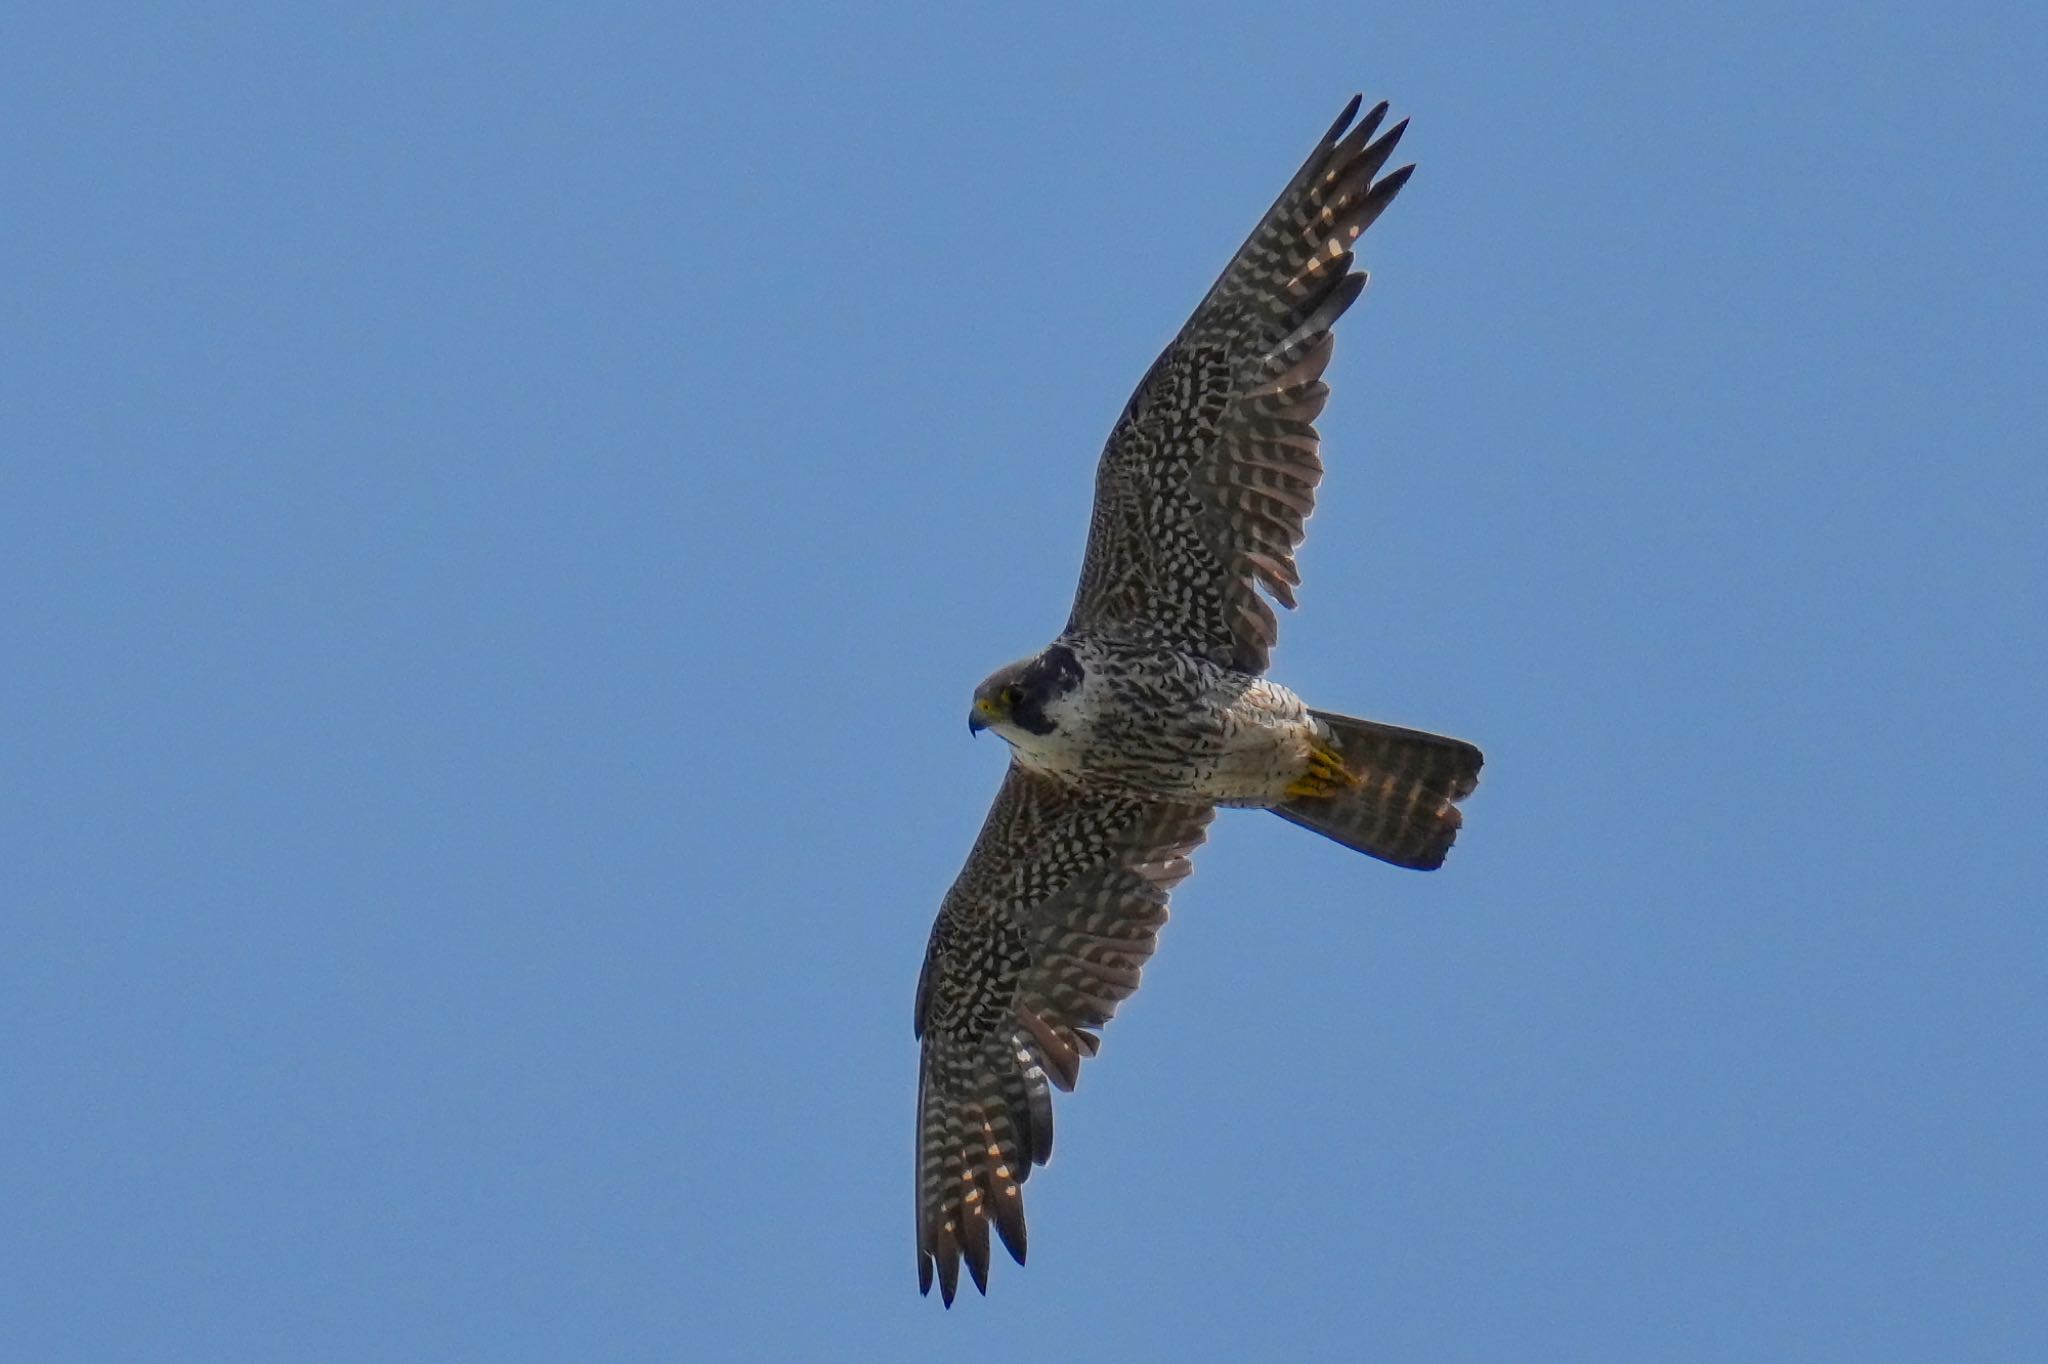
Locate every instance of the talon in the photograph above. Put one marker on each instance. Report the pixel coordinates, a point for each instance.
(1326, 776)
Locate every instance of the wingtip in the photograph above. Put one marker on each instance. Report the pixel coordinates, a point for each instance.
(1383, 146)
(1361, 132)
(1010, 1227)
(1343, 120)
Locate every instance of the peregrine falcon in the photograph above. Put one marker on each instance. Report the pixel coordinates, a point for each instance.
(1151, 709)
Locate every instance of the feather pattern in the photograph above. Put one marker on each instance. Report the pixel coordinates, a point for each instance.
(1040, 938)
(1210, 474)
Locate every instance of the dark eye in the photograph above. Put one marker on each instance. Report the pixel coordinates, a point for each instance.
(1012, 694)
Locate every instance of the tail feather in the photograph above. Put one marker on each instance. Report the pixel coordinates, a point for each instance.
(1400, 803)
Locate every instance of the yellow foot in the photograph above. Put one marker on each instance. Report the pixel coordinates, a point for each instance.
(1326, 775)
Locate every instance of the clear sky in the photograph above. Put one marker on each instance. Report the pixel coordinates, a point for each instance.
(501, 511)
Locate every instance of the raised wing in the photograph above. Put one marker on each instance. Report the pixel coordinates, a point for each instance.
(1038, 941)
(1212, 469)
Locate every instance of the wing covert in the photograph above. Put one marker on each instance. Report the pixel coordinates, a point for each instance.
(1040, 938)
(1210, 473)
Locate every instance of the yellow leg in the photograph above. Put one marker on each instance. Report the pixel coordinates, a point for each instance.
(1326, 775)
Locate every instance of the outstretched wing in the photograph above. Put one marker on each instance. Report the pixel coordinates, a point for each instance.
(1037, 942)
(1212, 468)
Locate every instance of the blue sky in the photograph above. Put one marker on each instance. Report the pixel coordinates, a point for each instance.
(501, 510)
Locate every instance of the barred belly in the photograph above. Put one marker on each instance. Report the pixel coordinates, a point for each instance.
(1165, 724)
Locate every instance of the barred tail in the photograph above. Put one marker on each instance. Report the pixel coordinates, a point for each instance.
(1396, 797)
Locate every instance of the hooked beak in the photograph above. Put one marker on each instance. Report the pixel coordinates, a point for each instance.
(984, 711)
(975, 724)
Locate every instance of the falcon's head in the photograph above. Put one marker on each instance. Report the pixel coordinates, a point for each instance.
(1023, 696)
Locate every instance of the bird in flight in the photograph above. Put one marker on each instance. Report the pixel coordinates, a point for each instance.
(1152, 708)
